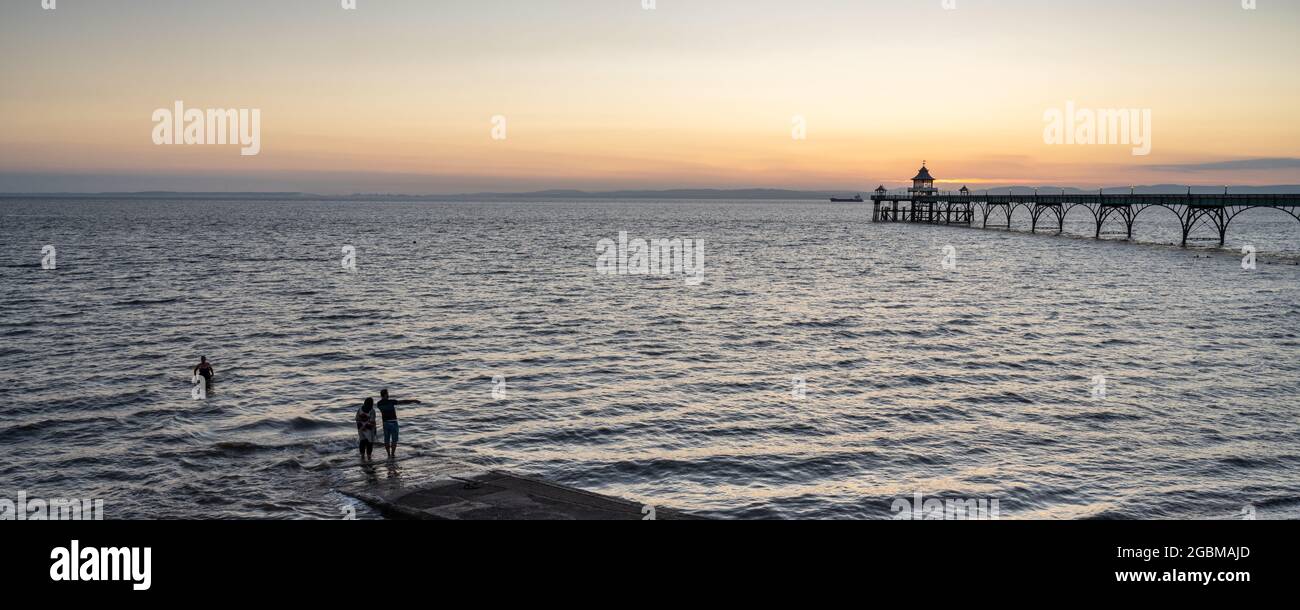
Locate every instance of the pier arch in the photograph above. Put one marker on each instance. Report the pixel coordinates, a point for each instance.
(1089, 214)
(1026, 217)
(1047, 212)
(1123, 214)
(1231, 212)
(1004, 212)
(1178, 216)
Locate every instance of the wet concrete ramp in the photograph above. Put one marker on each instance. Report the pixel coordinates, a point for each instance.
(500, 495)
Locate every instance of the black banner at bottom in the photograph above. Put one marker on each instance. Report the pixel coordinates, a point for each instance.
(186, 561)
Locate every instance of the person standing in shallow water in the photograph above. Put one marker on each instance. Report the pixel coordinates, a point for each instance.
(205, 368)
(366, 428)
(387, 407)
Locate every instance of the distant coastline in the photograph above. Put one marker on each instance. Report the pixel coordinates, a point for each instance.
(755, 194)
(564, 194)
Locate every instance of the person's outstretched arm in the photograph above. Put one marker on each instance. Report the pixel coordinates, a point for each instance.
(407, 402)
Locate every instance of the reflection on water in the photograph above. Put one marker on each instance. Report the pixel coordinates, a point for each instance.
(971, 382)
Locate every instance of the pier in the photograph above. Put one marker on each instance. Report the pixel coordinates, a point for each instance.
(922, 203)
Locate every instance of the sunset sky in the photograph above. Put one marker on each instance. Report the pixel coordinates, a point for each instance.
(398, 95)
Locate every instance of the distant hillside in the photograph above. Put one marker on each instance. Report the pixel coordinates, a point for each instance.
(557, 194)
(165, 195)
(665, 194)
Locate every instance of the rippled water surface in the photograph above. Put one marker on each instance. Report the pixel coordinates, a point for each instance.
(975, 382)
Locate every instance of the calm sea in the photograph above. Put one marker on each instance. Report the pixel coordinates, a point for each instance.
(824, 367)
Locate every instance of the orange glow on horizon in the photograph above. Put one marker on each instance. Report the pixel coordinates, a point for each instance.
(598, 97)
